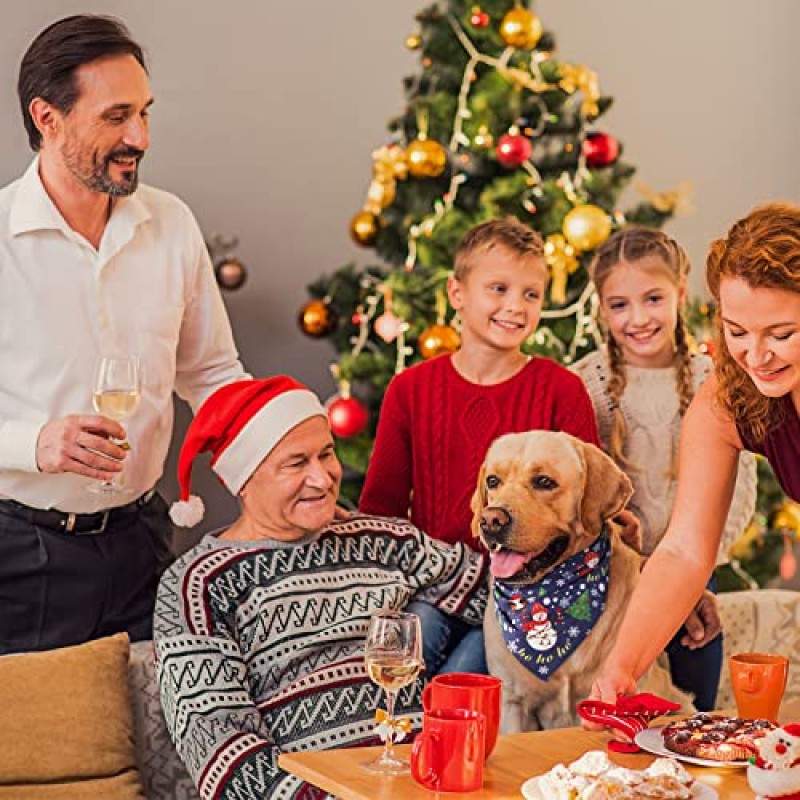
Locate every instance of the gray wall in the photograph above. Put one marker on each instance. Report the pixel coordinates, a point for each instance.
(266, 114)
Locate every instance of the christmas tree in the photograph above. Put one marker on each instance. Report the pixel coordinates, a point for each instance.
(496, 124)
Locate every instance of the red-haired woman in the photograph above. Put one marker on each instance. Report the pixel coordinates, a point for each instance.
(752, 402)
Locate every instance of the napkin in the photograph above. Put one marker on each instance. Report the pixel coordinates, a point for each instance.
(630, 714)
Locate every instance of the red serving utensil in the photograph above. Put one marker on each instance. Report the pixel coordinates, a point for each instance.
(630, 714)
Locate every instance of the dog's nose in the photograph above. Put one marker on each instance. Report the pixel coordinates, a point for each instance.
(495, 521)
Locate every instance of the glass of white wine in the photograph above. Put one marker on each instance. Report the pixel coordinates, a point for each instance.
(393, 655)
(116, 392)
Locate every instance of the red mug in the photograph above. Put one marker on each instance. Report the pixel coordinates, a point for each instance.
(480, 693)
(448, 755)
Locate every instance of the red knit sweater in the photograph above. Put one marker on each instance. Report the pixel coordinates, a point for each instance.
(435, 428)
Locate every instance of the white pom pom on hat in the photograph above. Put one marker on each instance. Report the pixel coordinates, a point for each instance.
(187, 513)
(240, 424)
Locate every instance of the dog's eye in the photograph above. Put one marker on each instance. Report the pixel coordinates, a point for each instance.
(492, 481)
(544, 483)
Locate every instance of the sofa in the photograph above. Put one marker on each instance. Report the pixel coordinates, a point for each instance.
(85, 722)
(163, 775)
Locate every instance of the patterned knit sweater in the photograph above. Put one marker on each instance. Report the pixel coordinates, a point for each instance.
(651, 407)
(435, 428)
(260, 645)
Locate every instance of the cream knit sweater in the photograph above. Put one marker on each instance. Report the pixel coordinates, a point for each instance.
(650, 405)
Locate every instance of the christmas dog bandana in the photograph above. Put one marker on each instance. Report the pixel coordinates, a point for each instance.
(545, 622)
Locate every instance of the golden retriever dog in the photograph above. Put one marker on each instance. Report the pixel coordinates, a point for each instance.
(542, 500)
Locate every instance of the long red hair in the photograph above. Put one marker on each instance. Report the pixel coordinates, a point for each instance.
(764, 250)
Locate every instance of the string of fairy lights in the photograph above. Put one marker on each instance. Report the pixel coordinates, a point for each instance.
(560, 255)
(584, 228)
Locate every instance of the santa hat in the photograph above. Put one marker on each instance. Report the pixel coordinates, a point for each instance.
(240, 424)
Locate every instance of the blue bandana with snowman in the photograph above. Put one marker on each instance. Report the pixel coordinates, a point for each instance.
(545, 622)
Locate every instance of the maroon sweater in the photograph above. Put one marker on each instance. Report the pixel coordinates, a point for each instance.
(435, 428)
(781, 447)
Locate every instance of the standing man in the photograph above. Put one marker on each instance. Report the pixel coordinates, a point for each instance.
(92, 262)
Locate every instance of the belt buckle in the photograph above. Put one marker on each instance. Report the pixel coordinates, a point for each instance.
(101, 528)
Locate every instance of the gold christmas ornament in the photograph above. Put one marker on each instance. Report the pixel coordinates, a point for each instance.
(413, 41)
(316, 319)
(364, 228)
(560, 257)
(520, 28)
(437, 339)
(586, 227)
(426, 158)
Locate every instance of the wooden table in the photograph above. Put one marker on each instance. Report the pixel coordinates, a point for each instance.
(516, 758)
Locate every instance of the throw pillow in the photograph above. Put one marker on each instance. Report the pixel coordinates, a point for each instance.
(66, 724)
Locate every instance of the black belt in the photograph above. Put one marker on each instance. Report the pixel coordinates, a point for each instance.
(69, 522)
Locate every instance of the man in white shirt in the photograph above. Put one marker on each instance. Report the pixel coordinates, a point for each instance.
(92, 264)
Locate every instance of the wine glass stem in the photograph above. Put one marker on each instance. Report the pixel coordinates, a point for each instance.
(388, 750)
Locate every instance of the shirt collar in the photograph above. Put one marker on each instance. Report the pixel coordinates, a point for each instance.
(33, 210)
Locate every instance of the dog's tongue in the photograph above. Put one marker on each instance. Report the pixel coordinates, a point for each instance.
(506, 563)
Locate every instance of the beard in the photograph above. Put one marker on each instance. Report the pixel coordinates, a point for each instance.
(94, 171)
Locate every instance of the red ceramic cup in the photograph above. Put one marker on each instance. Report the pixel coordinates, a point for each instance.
(448, 755)
(480, 693)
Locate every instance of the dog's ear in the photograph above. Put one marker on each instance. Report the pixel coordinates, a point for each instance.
(478, 502)
(606, 488)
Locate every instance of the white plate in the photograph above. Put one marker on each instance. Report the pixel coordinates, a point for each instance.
(531, 791)
(650, 739)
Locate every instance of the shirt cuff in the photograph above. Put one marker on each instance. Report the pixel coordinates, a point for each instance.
(18, 445)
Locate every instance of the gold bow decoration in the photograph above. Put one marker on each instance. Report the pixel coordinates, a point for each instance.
(524, 80)
(674, 201)
(396, 728)
(560, 257)
(578, 78)
(787, 517)
(388, 166)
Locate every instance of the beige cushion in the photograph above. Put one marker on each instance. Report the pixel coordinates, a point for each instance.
(66, 727)
(760, 621)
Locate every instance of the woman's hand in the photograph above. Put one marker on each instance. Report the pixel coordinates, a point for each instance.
(630, 529)
(607, 687)
(703, 624)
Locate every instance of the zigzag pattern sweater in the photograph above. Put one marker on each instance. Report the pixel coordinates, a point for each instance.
(260, 645)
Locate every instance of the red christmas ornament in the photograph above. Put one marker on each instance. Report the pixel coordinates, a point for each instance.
(348, 416)
(600, 149)
(513, 149)
(478, 18)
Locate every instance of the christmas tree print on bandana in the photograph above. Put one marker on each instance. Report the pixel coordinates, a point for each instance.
(544, 623)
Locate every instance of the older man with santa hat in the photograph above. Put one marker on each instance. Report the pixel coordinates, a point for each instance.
(260, 628)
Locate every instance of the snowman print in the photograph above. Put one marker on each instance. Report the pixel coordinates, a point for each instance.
(540, 633)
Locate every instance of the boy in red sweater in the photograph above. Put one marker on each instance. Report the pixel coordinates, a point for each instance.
(439, 417)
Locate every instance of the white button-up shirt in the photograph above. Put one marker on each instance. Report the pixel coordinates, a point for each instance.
(148, 290)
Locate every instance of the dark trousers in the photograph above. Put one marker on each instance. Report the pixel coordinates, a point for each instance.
(697, 671)
(59, 589)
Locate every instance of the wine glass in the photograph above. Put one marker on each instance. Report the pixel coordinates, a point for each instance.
(393, 655)
(116, 391)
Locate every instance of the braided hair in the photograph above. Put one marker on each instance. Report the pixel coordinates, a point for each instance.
(628, 246)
